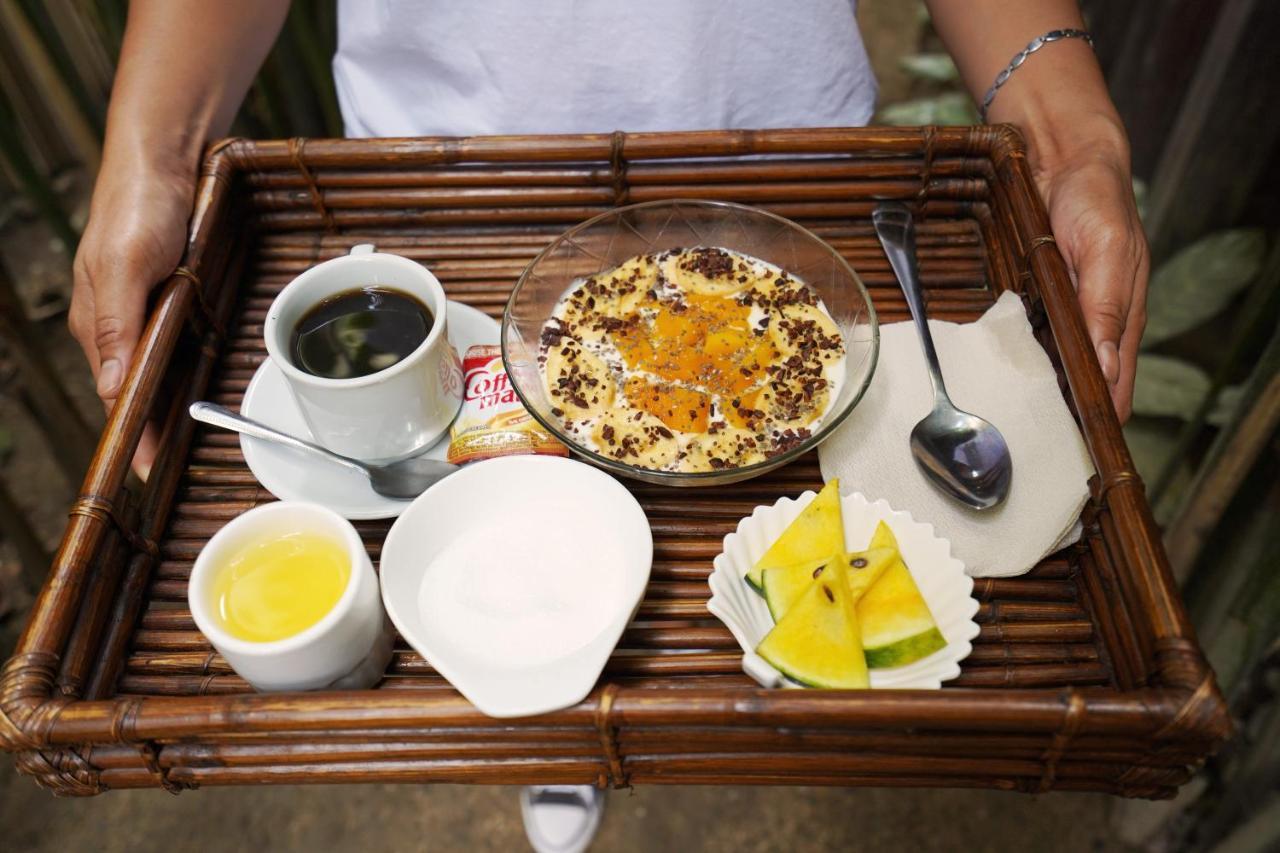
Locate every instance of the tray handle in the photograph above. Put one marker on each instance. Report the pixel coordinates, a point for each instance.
(25, 689)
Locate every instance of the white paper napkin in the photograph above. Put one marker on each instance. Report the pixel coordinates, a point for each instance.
(995, 369)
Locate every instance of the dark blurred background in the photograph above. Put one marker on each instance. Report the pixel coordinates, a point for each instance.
(1194, 80)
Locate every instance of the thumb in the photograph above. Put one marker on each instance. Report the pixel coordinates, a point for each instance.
(119, 309)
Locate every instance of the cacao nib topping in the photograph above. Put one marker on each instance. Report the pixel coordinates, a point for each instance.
(553, 332)
(712, 263)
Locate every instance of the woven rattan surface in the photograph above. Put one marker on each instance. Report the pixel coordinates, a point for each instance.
(1085, 675)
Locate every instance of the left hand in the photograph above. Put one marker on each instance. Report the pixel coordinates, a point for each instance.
(1088, 190)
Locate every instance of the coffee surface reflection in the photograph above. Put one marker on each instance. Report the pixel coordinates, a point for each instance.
(359, 332)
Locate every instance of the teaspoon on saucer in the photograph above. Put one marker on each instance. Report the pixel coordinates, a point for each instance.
(961, 453)
(402, 479)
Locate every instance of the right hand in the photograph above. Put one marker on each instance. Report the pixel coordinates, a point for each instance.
(134, 238)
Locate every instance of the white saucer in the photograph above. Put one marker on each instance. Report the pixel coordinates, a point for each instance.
(292, 475)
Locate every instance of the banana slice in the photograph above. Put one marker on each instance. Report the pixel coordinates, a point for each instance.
(580, 384)
(586, 316)
(630, 283)
(793, 326)
(789, 407)
(728, 447)
(591, 310)
(635, 437)
(708, 272)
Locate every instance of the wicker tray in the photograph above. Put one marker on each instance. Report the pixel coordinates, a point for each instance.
(1086, 675)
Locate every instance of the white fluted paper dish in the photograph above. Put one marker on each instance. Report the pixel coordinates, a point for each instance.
(941, 578)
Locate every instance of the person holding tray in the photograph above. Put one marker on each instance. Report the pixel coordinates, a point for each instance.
(430, 67)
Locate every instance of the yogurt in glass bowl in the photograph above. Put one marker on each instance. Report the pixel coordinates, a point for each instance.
(689, 343)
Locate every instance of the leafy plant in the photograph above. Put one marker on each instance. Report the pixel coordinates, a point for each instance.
(1150, 441)
(1168, 387)
(1224, 407)
(1140, 196)
(1198, 282)
(948, 108)
(937, 67)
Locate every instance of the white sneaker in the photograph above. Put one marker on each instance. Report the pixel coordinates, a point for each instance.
(561, 818)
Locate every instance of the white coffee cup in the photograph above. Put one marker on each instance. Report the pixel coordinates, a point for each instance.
(349, 647)
(395, 412)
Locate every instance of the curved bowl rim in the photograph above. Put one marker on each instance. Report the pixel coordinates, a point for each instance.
(693, 478)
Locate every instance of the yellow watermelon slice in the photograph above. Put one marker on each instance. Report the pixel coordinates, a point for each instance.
(816, 534)
(817, 642)
(783, 585)
(896, 624)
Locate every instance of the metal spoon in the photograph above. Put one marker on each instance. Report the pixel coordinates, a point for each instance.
(961, 453)
(405, 478)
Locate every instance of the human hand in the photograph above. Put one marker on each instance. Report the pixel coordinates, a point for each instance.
(1088, 191)
(1078, 154)
(134, 238)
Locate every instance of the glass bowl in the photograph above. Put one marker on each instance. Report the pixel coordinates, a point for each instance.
(610, 238)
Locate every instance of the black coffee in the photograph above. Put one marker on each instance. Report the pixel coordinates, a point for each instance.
(359, 332)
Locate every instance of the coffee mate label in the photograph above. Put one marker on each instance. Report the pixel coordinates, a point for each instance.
(492, 421)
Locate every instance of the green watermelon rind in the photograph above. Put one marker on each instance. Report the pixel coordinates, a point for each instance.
(772, 605)
(807, 683)
(771, 601)
(905, 651)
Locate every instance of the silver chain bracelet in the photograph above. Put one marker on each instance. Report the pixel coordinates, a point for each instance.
(1036, 43)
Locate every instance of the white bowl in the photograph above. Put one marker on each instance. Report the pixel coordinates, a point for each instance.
(515, 577)
(941, 578)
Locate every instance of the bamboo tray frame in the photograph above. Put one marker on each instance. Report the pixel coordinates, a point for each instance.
(1086, 675)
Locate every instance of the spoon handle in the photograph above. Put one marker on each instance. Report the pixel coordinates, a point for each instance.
(897, 235)
(215, 415)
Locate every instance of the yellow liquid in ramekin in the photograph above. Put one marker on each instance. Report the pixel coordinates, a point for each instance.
(273, 589)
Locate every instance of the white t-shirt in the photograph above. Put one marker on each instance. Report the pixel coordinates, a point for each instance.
(471, 67)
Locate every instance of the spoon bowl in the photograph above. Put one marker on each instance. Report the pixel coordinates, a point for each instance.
(408, 478)
(963, 455)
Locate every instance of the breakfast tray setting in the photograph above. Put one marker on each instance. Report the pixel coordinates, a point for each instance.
(1085, 676)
